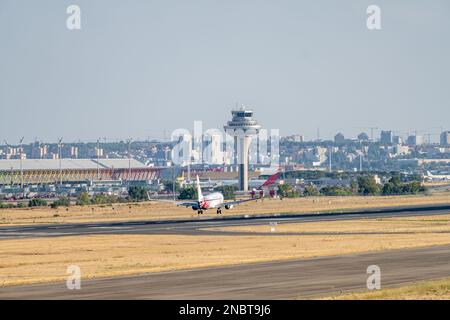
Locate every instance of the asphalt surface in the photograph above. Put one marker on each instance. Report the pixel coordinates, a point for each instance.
(200, 225)
(293, 279)
(304, 278)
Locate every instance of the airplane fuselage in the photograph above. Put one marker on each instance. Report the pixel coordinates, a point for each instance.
(437, 177)
(211, 201)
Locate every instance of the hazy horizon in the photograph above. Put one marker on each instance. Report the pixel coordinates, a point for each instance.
(135, 70)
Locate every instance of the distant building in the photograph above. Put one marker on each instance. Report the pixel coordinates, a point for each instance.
(167, 153)
(363, 136)
(213, 153)
(339, 138)
(415, 140)
(183, 155)
(400, 150)
(94, 153)
(43, 152)
(295, 138)
(98, 152)
(445, 138)
(39, 151)
(74, 152)
(320, 154)
(397, 140)
(386, 137)
(35, 150)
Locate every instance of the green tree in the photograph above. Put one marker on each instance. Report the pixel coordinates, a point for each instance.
(396, 180)
(287, 191)
(61, 202)
(368, 186)
(413, 188)
(188, 193)
(310, 191)
(99, 199)
(227, 191)
(137, 193)
(37, 202)
(390, 188)
(168, 185)
(354, 186)
(396, 187)
(335, 191)
(83, 199)
(6, 205)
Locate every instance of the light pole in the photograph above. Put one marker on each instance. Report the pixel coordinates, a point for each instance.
(60, 164)
(12, 168)
(98, 159)
(173, 181)
(329, 158)
(360, 162)
(7, 146)
(21, 164)
(129, 161)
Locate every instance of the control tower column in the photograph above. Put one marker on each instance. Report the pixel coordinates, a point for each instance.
(242, 127)
(243, 147)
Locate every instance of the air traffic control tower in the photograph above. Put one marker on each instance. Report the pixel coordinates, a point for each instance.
(242, 127)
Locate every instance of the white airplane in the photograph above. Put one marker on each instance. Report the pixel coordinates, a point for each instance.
(439, 177)
(213, 200)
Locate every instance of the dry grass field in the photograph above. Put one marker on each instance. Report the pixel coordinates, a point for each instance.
(158, 210)
(24, 261)
(428, 290)
(380, 226)
(436, 184)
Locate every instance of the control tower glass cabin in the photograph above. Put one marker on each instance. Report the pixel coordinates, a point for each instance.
(242, 127)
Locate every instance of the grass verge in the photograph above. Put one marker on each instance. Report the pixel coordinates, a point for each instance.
(25, 261)
(427, 290)
(166, 211)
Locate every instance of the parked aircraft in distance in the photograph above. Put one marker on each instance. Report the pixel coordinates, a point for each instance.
(436, 177)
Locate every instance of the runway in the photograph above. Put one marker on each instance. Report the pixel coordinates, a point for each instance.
(200, 225)
(293, 279)
(301, 278)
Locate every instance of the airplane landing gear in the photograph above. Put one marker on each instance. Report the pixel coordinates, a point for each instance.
(219, 211)
(200, 212)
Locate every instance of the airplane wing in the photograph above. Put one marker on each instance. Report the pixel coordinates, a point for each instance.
(186, 204)
(175, 202)
(237, 202)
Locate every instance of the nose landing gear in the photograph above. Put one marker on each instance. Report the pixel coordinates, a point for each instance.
(219, 211)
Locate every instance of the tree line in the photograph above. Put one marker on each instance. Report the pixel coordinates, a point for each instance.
(363, 185)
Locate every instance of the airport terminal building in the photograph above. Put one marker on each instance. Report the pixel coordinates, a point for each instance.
(51, 172)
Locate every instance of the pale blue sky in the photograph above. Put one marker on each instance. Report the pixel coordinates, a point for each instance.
(138, 67)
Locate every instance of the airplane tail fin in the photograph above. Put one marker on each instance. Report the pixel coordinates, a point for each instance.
(199, 190)
(271, 180)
